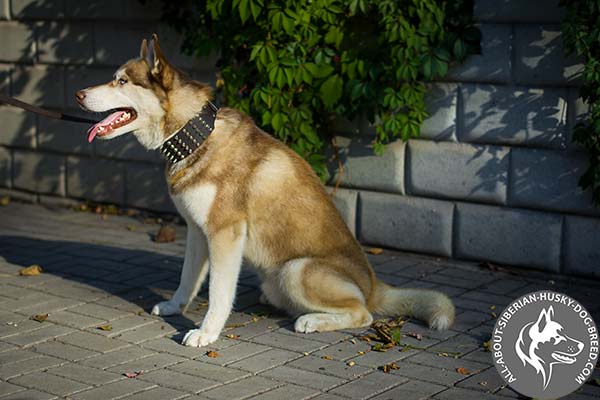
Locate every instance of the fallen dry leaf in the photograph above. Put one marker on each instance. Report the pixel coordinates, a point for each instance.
(463, 371)
(389, 367)
(327, 358)
(212, 354)
(133, 374)
(39, 317)
(232, 336)
(105, 327)
(166, 234)
(487, 346)
(483, 383)
(4, 201)
(415, 335)
(32, 270)
(374, 250)
(597, 381)
(131, 228)
(351, 363)
(449, 354)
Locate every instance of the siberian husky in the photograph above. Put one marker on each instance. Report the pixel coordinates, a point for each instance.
(245, 195)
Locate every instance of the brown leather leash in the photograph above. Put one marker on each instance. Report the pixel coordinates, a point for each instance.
(42, 111)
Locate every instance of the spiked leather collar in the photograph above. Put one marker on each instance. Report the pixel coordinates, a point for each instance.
(190, 137)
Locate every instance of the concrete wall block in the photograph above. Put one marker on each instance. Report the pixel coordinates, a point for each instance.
(39, 172)
(547, 179)
(457, 170)
(77, 78)
(37, 9)
(40, 85)
(578, 112)
(63, 136)
(146, 187)
(115, 43)
(440, 100)
(518, 11)
(508, 236)
(540, 57)
(5, 72)
(514, 116)
(17, 128)
(126, 147)
(149, 11)
(170, 43)
(346, 202)
(17, 42)
(407, 223)
(5, 167)
(4, 9)
(494, 62)
(364, 169)
(95, 9)
(65, 43)
(97, 180)
(582, 246)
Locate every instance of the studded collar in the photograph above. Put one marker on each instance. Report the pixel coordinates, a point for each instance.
(191, 136)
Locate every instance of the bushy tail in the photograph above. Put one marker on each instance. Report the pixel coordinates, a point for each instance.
(430, 306)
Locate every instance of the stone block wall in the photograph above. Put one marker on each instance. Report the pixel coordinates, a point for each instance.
(493, 177)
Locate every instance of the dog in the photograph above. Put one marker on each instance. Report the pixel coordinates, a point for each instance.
(543, 344)
(245, 195)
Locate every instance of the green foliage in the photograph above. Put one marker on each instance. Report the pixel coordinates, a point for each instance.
(581, 32)
(295, 64)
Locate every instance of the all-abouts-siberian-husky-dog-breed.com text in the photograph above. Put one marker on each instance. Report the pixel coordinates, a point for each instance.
(245, 195)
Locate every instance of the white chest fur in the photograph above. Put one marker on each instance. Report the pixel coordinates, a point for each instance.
(195, 203)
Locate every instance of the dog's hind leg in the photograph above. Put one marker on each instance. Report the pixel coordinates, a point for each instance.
(327, 299)
(193, 274)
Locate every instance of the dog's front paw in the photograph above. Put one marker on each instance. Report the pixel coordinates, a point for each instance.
(197, 338)
(165, 308)
(306, 324)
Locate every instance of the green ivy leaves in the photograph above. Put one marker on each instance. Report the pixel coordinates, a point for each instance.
(295, 64)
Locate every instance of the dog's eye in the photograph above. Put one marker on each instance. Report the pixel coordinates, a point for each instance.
(122, 81)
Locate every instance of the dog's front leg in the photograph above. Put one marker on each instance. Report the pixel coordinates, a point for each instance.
(226, 248)
(195, 268)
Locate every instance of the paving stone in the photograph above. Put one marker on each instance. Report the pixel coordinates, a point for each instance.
(288, 342)
(179, 381)
(209, 371)
(92, 341)
(39, 335)
(125, 324)
(234, 353)
(375, 359)
(74, 320)
(430, 374)
(63, 350)
(16, 355)
(12, 327)
(26, 366)
(99, 311)
(241, 389)
(448, 363)
(117, 357)
(303, 378)
(368, 385)
(455, 393)
(30, 394)
(385, 218)
(344, 350)
(494, 62)
(289, 392)
(169, 345)
(431, 171)
(158, 393)
(266, 360)
(491, 377)
(80, 373)
(514, 116)
(150, 363)
(114, 390)
(329, 367)
(456, 346)
(50, 383)
(8, 388)
(411, 390)
(508, 236)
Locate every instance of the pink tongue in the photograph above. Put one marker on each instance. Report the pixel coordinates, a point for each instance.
(95, 129)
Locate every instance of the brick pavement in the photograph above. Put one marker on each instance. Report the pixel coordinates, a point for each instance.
(108, 272)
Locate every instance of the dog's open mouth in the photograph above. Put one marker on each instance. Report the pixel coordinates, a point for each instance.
(116, 119)
(563, 358)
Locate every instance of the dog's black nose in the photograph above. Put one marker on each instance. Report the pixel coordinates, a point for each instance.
(80, 95)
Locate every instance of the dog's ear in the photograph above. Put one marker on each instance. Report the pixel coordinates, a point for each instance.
(159, 62)
(544, 318)
(144, 49)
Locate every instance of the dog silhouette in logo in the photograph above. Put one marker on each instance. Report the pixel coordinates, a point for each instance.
(543, 344)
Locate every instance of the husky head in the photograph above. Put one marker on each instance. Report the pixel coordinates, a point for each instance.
(147, 96)
(543, 344)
